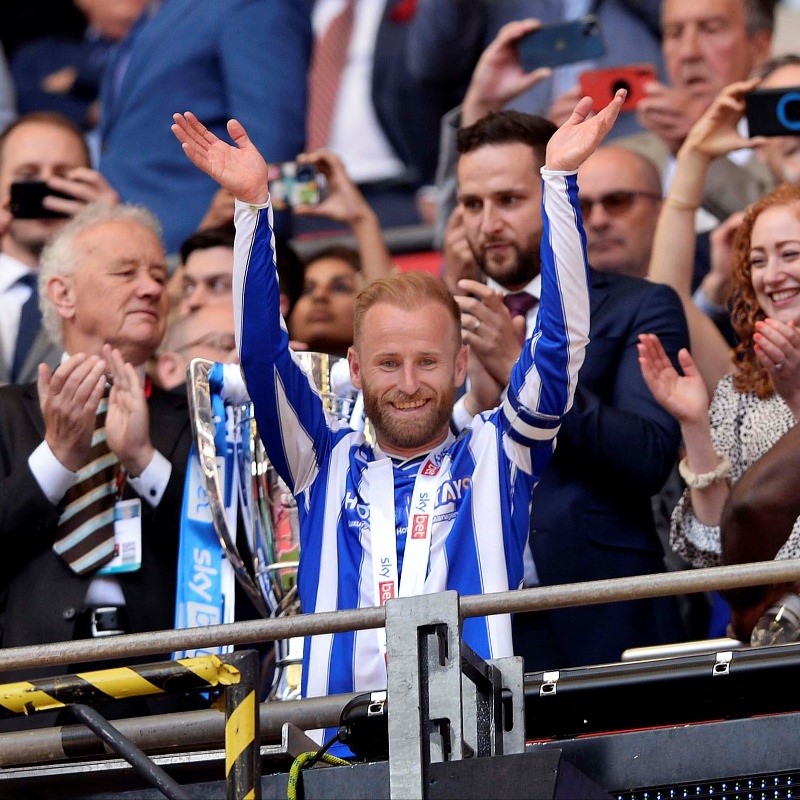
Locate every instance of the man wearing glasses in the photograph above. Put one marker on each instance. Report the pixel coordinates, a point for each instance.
(591, 517)
(620, 199)
(205, 333)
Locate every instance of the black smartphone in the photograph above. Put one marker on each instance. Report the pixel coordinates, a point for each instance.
(561, 43)
(773, 112)
(27, 197)
(292, 184)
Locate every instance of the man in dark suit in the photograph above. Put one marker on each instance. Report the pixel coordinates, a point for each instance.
(591, 515)
(246, 59)
(104, 299)
(41, 146)
(385, 122)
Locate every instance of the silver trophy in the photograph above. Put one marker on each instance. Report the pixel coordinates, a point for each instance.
(266, 563)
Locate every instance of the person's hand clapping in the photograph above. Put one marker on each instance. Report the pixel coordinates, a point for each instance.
(684, 396)
(128, 417)
(68, 399)
(777, 346)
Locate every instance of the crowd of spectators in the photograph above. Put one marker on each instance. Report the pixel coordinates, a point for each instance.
(692, 233)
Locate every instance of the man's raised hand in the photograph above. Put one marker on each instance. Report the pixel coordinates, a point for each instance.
(239, 168)
(582, 134)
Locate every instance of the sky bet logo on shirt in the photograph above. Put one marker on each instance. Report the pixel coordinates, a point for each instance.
(385, 591)
(419, 526)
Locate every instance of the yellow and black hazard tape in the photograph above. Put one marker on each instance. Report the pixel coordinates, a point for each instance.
(184, 675)
(241, 746)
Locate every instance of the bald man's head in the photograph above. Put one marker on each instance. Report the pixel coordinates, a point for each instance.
(620, 195)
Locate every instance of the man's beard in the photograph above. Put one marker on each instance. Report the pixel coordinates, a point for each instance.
(515, 273)
(406, 434)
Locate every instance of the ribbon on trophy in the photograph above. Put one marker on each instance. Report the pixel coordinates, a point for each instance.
(206, 580)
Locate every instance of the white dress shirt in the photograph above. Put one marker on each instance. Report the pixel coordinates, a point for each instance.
(356, 135)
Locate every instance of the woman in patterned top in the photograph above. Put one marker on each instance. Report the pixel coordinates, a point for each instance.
(759, 401)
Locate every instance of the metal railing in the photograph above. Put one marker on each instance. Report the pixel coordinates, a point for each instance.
(203, 728)
(536, 599)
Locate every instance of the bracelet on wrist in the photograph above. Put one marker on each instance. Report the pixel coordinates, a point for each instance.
(705, 479)
(680, 205)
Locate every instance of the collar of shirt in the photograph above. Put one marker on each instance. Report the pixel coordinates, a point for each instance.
(11, 271)
(401, 462)
(533, 287)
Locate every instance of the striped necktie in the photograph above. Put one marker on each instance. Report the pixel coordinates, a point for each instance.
(327, 63)
(85, 534)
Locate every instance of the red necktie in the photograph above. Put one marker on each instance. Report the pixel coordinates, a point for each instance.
(327, 63)
(519, 304)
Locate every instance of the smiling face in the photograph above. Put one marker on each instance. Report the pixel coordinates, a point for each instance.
(323, 315)
(706, 45)
(117, 294)
(499, 190)
(408, 362)
(775, 261)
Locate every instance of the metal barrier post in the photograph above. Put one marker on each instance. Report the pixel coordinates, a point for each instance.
(242, 734)
(424, 682)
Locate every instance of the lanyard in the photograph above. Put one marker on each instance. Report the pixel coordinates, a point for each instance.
(419, 531)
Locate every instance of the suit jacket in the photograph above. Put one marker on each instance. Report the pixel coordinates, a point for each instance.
(44, 349)
(40, 595)
(409, 110)
(591, 512)
(728, 187)
(246, 59)
(448, 36)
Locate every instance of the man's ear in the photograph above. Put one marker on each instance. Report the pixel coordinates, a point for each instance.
(462, 361)
(170, 370)
(355, 367)
(61, 292)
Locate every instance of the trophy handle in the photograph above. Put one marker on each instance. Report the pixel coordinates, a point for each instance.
(203, 429)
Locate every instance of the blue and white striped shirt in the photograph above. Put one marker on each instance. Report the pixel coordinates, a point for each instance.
(483, 499)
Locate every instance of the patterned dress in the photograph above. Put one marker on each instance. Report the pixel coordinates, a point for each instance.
(744, 427)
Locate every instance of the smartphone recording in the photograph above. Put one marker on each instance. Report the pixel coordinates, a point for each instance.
(773, 112)
(27, 198)
(602, 84)
(293, 184)
(561, 43)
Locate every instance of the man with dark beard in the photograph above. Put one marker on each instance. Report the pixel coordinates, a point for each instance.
(418, 511)
(591, 516)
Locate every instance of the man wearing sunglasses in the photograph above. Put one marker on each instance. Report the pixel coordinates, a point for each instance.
(591, 517)
(620, 199)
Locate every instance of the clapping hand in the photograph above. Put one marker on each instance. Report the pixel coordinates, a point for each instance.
(684, 396)
(777, 346)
